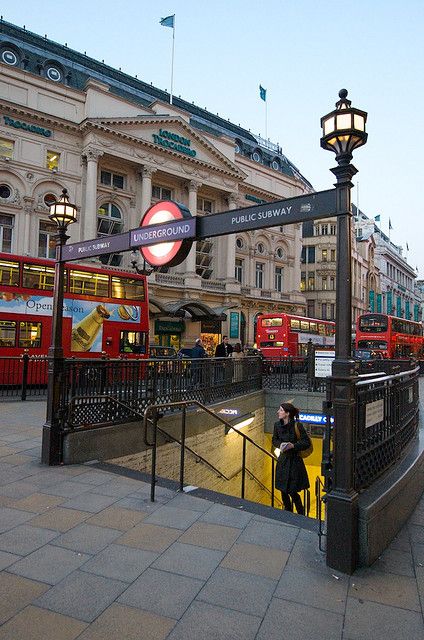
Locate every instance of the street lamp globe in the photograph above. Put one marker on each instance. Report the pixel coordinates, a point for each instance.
(62, 212)
(343, 129)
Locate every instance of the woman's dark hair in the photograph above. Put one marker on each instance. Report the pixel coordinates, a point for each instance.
(290, 409)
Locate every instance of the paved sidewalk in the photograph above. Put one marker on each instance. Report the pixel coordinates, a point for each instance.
(85, 554)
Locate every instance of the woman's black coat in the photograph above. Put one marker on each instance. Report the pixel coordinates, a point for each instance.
(290, 472)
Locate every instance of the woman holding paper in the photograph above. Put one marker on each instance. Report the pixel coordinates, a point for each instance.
(291, 476)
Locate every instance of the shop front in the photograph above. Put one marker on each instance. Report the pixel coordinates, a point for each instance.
(210, 332)
(168, 333)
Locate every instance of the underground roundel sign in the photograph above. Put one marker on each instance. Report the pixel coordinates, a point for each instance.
(172, 252)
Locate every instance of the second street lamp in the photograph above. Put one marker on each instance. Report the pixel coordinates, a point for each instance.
(343, 131)
(63, 213)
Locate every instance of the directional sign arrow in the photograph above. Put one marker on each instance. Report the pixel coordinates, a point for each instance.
(272, 214)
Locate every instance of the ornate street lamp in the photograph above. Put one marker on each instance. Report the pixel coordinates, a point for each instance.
(144, 270)
(63, 213)
(343, 131)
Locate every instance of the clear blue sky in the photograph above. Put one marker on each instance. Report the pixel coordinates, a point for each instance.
(302, 52)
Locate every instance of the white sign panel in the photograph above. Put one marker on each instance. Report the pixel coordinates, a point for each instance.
(374, 413)
(323, 363)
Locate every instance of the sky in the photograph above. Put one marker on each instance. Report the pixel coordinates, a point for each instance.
(302, 52)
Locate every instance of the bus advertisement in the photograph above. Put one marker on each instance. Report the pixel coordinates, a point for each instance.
(104, 310)
(283, 335)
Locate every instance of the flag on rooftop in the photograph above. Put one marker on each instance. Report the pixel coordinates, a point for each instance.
(377, 218)
(262, 93)
(390, 224)
(168, 21)
(407, 248)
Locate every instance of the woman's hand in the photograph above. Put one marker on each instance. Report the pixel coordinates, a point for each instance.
(285, 446)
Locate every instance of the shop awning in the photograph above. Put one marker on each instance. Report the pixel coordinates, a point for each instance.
(196, 309)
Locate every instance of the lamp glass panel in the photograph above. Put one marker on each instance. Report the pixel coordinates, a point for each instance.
(344, 121)
(329, 126)
(332, 142)
(359, 122)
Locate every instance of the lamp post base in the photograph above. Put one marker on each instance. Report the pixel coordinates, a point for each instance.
(342, 535)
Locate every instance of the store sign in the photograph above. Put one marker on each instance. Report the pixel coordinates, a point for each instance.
(254, 199)
(234, 324)
(169, 326)
(32, 128)
(174, 141)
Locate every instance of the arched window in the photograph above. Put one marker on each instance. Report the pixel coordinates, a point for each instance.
(109, 222)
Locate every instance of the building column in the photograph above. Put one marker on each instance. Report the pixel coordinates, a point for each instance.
(92, 156)
(144, 197)
(25, 249)
(189, 265)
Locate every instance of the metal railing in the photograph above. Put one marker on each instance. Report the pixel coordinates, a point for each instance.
(386, 409)
(23, 377)
(291, 373)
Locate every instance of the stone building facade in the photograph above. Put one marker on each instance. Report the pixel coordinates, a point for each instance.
(118, 145)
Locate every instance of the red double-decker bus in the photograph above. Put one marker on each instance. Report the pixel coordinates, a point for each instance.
(388, 336)
(279, 335)
(104, 310)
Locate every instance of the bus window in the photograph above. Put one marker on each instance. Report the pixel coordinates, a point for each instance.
(313, 328)
(128, 289)
(7, 333)
(304, 326)
(266, 344)
(38, 276)
(272, 322)
(132, 342)
(29, 335)
(321, 329)
(373, 323)
(295, 325)
(89, 284)
(9, 273)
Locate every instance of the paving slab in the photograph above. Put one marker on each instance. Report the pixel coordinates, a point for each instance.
(163, 593)
(87, 538)
(39, 624)
(189, 560)
(120, 562)
(365, 619)
(49, 564)
(119, 622)
(81, 595)
(16, 593)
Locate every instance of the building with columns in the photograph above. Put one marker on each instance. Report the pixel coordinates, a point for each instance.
(118, 146)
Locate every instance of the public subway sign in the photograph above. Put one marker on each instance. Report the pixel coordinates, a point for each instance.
(289, 211)
(97, 247)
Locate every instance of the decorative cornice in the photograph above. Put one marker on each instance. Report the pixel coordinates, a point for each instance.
(231, 170)
(26, 112)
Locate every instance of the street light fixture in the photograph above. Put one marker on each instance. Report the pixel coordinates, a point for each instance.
(63, 213)
(343, 131)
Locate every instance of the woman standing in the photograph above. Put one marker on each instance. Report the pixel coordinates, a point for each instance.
(237, 356)
(290, 473)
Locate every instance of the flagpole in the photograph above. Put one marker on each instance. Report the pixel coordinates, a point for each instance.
(266, 120)
(172, 61)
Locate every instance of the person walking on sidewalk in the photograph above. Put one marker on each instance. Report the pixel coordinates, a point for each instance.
(291, 476)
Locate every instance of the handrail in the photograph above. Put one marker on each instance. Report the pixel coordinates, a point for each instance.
(183, 405)
(389, 377)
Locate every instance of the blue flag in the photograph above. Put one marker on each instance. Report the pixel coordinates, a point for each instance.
(377, 218)
(262, 93)
(168, 21)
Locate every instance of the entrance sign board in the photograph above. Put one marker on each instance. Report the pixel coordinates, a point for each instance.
(97, 247)
(374, 413)
(271, 214)
(323, 363)
(167, 232)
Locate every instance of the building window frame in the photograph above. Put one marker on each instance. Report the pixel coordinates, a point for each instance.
(7, 224)
(112, 179)
(239, 270)
(160, 192)
(259, 275)
(278, 279)
(47, 232)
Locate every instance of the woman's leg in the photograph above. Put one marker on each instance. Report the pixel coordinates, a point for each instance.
(288, 506)
(297, 501)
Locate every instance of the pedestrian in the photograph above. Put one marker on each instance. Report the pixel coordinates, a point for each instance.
(223, 349)
(197, 352)
(237, 356)
(291, 476)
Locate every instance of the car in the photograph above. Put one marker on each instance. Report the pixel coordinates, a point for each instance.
(159, 352)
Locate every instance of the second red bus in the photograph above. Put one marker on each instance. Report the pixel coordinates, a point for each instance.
(389, 336)
(282, 335)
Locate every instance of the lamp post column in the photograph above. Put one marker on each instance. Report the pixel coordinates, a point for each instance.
(51, 449)
(342, 500)
(63, 213)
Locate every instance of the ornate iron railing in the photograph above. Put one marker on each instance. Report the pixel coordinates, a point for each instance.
(23, 377)
(386, 420)
(89, 386)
